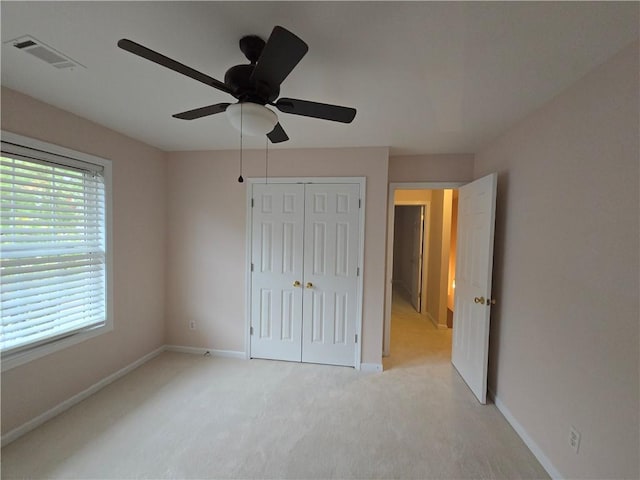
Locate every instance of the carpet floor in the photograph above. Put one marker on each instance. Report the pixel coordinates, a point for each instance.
(187, 416)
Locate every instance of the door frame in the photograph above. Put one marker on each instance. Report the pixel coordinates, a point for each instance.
(362, 182)
(388, 286)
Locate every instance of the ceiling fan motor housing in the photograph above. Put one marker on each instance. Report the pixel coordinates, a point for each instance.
(252, 46)
(245, 89)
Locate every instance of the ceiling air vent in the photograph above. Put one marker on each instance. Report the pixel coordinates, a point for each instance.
(44, 52)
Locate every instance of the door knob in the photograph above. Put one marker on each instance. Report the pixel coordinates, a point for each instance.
(296, 283)
(309, 285)
(479, 300)
(491, 301)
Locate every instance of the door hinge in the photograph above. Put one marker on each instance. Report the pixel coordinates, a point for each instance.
(252, 267)
(252, 203)
(250, 330)
(359, 203)
(358, 272)
(356, 338)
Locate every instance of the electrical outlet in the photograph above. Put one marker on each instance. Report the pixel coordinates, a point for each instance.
(574, 438)
(192, 325)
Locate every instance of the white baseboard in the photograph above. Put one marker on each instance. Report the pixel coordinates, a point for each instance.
(432, 319)
(70, 402)
(370, 367)
(229, 354)
(183, 349)
(435, 324)
(202, 351)
(529, 442)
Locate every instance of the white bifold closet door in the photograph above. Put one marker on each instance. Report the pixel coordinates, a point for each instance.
(276, 260)
(304, 255)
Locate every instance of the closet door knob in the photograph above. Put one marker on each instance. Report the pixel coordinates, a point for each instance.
(309, 285)
(296, 283)
(479, 300)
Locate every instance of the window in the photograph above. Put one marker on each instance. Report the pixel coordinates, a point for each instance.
(53, 248)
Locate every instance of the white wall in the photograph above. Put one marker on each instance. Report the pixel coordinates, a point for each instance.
(207, 238)
(138, 261)
(564, 335)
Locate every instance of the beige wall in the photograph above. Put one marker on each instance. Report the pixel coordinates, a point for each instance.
(452, 250)
(207, 238)
(434, 257)
(431, 168)
(138, 253)
(412, 197)
(564, 334)
(447, 204)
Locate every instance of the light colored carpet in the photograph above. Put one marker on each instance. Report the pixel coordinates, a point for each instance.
(186, 416)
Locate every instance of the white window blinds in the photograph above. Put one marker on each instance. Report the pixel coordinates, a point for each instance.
(52, 248)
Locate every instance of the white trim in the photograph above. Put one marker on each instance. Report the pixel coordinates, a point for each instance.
(435, 324)
(388, 287)
(229, 354)
(13, 360)
(362, 182)
(426, 185)
(360, 301)
(26, 356)
(370, 367)
(70, 402)
(203, 351)
(247, 265)
(253, 180)
(53, 148)
(528, 441)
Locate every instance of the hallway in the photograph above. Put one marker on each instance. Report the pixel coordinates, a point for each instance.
(415, 340)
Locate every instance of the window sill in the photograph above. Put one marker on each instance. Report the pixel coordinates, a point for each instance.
(20, 358)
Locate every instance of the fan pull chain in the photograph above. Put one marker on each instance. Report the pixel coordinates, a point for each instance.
(266, 160)
(240, 179)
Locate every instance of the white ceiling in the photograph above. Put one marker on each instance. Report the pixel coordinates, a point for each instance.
(425, 77)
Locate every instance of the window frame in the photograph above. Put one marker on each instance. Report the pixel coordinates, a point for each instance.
(62, 155)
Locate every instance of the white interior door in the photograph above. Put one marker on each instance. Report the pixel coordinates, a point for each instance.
(330, 273)
(417, 218)
(277, 262)
(474, 264)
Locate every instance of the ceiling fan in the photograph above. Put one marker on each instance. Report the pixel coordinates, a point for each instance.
(254, 85)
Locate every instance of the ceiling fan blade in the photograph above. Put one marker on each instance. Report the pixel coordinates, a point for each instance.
(202, 111)
(325, 111)
(277, 135)
(167, 62)
(280, 55)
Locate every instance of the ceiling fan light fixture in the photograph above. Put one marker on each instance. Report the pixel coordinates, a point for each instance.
(252, 118)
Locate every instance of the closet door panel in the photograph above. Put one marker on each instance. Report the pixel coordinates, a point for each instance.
(277, 257)
(331, 238)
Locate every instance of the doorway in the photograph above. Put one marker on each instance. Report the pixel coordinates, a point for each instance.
(408, 253)
(420, 269)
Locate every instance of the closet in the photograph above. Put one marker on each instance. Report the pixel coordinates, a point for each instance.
(305, 297)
